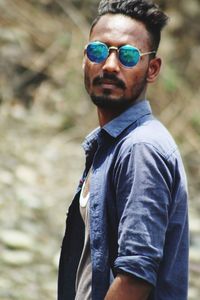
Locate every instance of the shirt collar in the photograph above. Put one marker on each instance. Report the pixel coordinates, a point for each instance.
(115, 127)
(91, 139)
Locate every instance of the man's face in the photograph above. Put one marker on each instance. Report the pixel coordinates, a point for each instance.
(110, 84)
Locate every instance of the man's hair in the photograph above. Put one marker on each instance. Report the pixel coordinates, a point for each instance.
(144, 11)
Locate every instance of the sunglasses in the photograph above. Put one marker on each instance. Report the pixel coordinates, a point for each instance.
(128, 55)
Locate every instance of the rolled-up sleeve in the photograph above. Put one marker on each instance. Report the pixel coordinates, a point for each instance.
(143, 185)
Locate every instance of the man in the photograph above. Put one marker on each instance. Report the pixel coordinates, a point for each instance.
(127, 227)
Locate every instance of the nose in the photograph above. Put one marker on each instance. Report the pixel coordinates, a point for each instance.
(111, 64)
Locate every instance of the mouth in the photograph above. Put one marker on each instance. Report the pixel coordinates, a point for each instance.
(109, 84)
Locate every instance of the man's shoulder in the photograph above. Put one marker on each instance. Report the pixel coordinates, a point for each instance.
(150, 134)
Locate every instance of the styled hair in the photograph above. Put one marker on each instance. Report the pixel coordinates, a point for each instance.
(144, 11)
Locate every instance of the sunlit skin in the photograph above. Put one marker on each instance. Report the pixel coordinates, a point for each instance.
(118, 30)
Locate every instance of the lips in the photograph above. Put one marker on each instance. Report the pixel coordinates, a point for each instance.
(109, 83)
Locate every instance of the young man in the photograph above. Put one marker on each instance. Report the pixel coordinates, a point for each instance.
(127, 227)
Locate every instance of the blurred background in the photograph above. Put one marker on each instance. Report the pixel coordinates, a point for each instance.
(45, 114)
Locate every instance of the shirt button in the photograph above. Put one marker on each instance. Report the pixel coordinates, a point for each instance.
(94, 206)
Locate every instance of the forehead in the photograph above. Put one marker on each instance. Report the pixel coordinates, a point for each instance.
(118, 30)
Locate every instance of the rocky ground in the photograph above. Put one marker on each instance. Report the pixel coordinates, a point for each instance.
(39, 170)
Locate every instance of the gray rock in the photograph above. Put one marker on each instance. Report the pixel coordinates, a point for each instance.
(16, 258)
(6, 177)
(16, 239)
(26, 174)
(194, 255)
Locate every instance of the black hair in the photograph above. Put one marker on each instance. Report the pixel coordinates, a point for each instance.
(144, 11)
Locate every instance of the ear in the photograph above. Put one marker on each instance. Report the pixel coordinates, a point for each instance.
(154, 69)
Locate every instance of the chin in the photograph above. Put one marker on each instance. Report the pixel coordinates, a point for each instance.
(108, 102)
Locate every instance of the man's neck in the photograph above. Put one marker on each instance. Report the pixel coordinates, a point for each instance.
(107, 115)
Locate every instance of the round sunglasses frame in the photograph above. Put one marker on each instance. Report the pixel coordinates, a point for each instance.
(107, 53)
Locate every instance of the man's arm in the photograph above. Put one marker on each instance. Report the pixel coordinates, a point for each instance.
(125, 287)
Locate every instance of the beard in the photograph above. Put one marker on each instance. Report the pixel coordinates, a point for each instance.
(110, 102)
(106, 101)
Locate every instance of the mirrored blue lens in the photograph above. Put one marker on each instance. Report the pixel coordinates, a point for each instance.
(129, 55)
(97, 52)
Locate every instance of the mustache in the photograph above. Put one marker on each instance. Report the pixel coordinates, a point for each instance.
(118, 82)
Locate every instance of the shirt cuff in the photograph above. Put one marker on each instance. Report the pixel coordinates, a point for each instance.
(138, 266)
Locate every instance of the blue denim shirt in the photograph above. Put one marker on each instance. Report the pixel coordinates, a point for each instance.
(138, 209)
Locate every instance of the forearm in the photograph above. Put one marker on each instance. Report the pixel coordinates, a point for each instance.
(125, 287)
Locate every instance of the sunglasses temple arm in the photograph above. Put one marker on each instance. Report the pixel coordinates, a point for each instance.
(146, 53)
